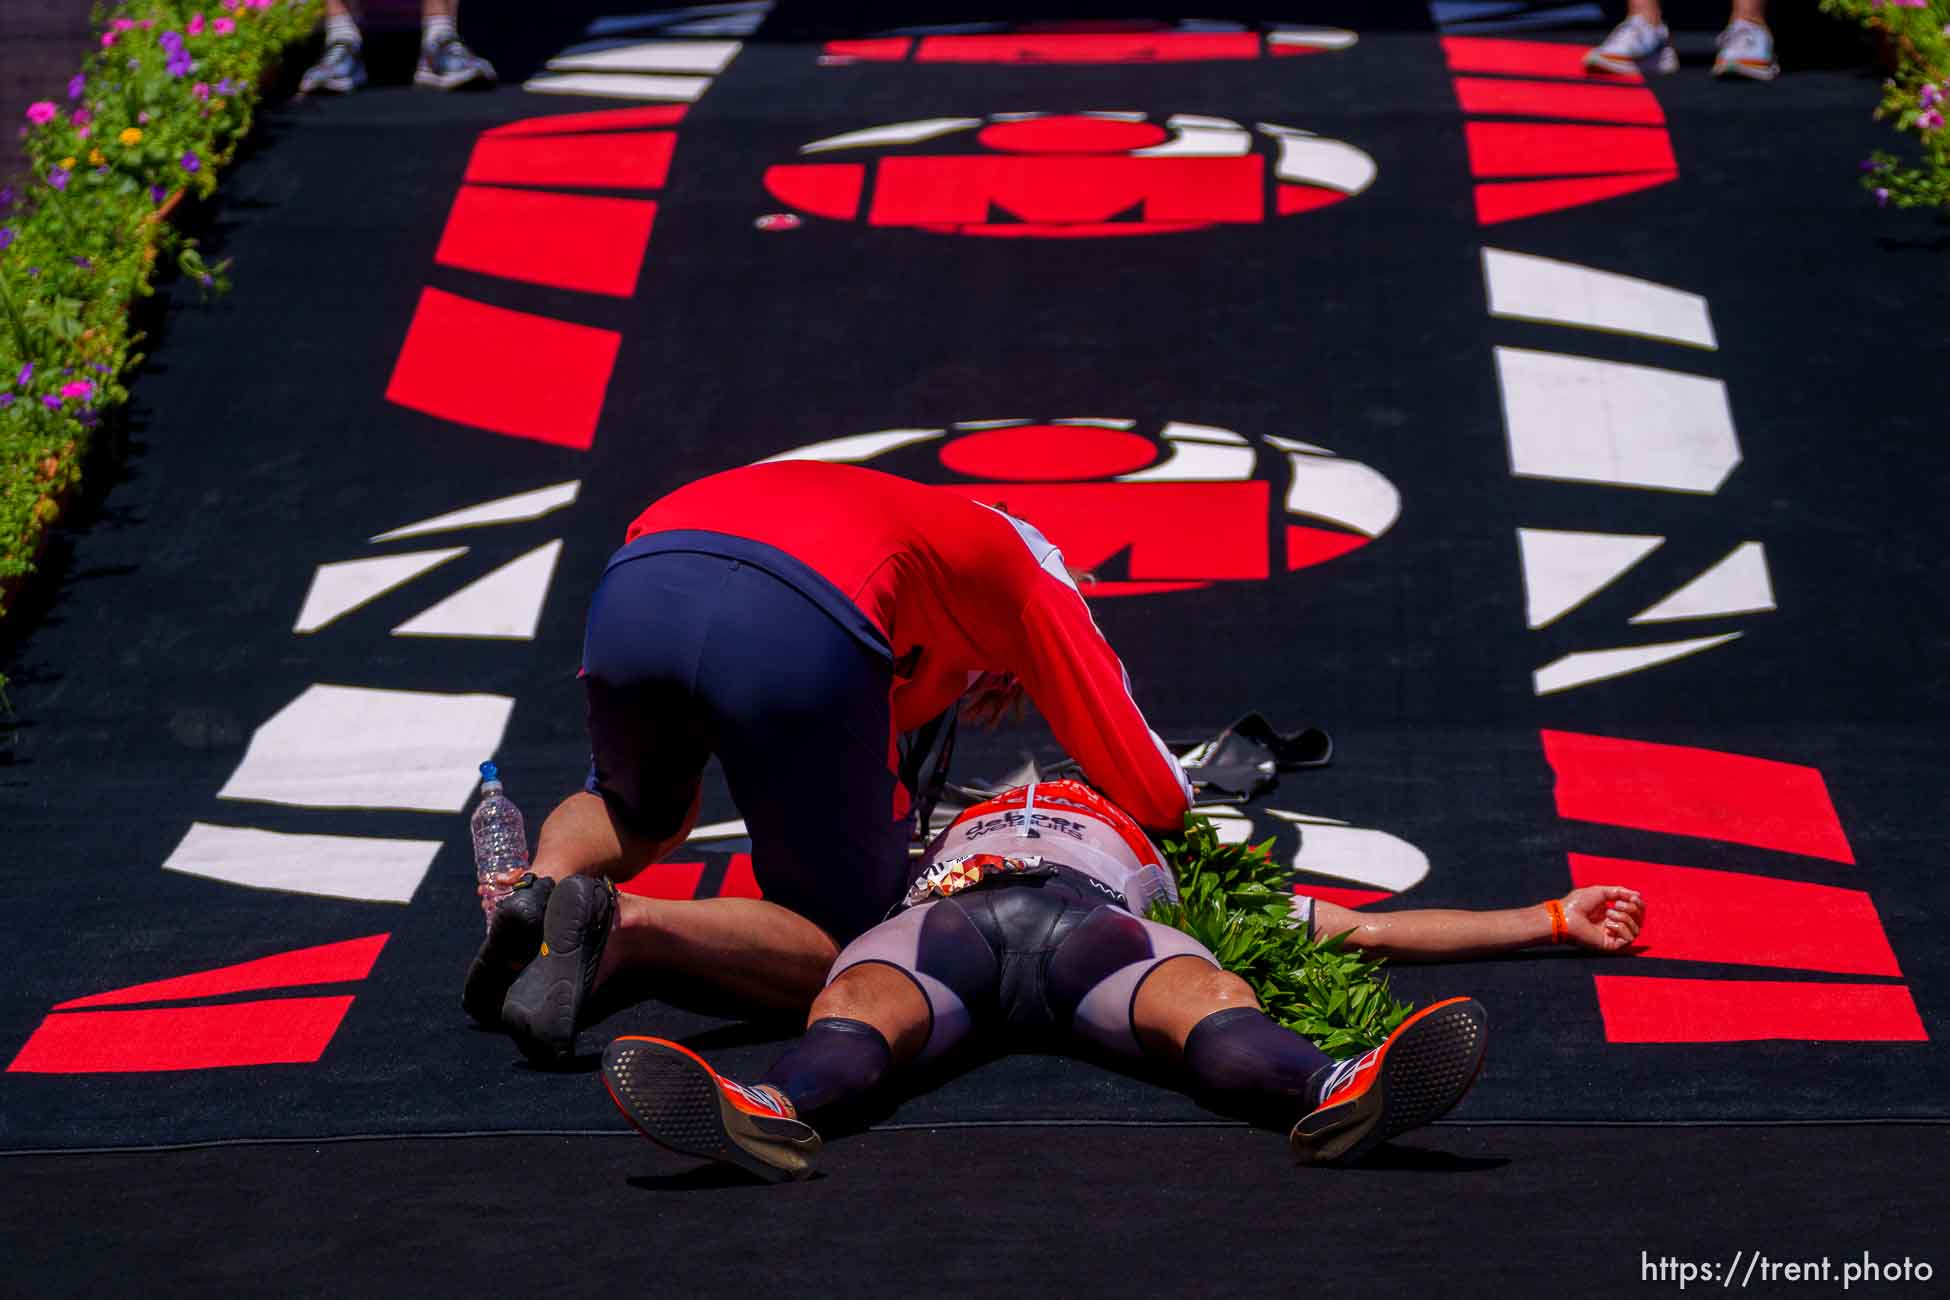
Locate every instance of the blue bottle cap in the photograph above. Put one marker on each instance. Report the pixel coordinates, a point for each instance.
(489, 772)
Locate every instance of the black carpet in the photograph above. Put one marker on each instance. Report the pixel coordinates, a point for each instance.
(263, 445)
(1458, 1210)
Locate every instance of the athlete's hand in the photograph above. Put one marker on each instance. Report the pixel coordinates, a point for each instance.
(992, 698)
(1603, 918)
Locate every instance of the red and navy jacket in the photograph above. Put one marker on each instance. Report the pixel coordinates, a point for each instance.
(947, 588)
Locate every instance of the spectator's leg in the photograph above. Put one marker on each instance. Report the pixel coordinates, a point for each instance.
(1640, 42)
(446, 63)
(1746, 47)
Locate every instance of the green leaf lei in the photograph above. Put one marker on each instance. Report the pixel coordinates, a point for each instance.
(1235, 899)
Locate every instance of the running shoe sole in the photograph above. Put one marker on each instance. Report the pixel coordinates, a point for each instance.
(513, 939)
(677, 1101)
(1426, 1067)
(1666, 61)
(544, 1004)
(451, 80)
(1751, 71)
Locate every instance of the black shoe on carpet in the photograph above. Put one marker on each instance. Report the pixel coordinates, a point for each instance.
(514, 937)
(543, 1005)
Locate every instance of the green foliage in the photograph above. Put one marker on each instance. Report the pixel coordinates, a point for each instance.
(1235, 899)
(158, 109)
(1915, 98)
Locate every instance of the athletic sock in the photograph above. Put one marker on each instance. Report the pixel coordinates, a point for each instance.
(435, 30)
(836, 1060)
(1241, 1059)
(341, 30)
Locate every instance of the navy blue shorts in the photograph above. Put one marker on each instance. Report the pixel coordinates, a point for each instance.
(690, 653)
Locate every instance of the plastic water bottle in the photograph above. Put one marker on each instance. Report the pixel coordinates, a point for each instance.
(500, 838)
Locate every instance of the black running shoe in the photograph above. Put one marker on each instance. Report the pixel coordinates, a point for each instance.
(544, 1004)
(514, 937)
(683, 1105)
(1418, 1075)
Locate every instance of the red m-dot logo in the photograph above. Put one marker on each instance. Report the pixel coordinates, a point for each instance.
(1071, 175)
(1187, 507)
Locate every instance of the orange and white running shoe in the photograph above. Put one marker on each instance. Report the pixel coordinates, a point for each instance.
(1634, 45)
(1746, 49)
(683, 1105)
(1418, 1075)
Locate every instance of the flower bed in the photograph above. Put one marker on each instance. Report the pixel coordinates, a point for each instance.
(154, 115)
(1916, 35)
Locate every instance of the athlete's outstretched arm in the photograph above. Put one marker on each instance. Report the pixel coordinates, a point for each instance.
(1602, 918)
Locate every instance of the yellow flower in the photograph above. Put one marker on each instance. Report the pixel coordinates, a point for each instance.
(130, 135)
(67, 164)
(95, 157)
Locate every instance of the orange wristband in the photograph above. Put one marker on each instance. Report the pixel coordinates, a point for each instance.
(1558, 928)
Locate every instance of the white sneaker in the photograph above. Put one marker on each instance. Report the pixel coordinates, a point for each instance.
(1633, 43)
(1746, 50)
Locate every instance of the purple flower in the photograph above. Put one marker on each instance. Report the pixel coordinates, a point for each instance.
(58, 178)
(26, 373)
(170, 40)
(190, 161)
(51, 402)
(6, 197)
(41, 112)
(84, 263)
(1929, 94)
(157, 194)
(6, 400)
(226, 87)
(1882, 198)
(179, 63)
(76, 84)
(6, 236)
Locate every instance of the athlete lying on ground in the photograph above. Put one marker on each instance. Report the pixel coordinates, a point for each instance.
(1025, 923)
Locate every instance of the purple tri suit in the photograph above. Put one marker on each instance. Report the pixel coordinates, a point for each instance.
(1028, 913)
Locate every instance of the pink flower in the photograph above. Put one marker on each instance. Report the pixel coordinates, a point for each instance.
(41, 112)
(196, 26)
(223, 26)
(201, 90)
(79, 388)
(108, 39)
(1929, 119)
(82, 117)
(124, 24)
(82, 132)
(1927, 96)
